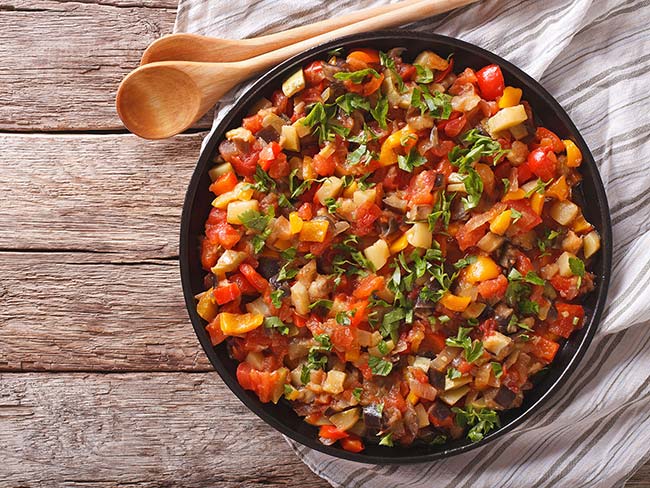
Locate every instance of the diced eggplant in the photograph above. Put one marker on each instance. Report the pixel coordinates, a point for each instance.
(508, 256)
(388, 227)
(429, 433)
(439, 410)
(437, 379)
(269, 134)
(439, 181)
(505, 396)
(372, 418)
(268, 267)
(502, 314)
(487, 313)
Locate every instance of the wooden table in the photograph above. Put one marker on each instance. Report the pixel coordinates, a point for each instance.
(102, 381)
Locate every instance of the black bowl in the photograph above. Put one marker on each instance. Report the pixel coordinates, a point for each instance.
(591, 192)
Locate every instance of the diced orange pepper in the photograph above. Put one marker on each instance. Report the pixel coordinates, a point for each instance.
(484, 268)
(558, 189)
(295, 222)
(207, 307)
(216, 334)
(511, 97)
(368, 56)
(349, 191)
(501, 222)
(399, 244)
(455, 303)
(393, 145)
(518, 194)
(537, 202)
(225, 183)
(580, 225)
(236, 323)
(573, 154)
(314, 231)
(412, 398)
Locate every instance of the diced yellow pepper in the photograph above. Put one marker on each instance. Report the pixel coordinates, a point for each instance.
(292, 395)
(352, 354)
(207, 307)
(388, 152)
(241, 192)
(573, 154)
(239, 323)
(455, 303)
(314, 230)
(399, 244)
(558, 189)
(412, 398)
(349, 191)
(518, 194)
(281, 244)
(295, 222)
(580, 225)
(537, 202)
(511, 97)
(484, 268)
(501, 222)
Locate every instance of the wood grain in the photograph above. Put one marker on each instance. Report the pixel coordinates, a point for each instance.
(98, 193)
(61, 61)
(78, 312)
(143, 430)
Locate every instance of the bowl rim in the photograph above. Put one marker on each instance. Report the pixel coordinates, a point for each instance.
(262, 83)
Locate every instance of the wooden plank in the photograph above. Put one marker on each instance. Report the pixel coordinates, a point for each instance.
(63, 60)
(98, 193)
(641, 478)
(75, 312)
(143, 430)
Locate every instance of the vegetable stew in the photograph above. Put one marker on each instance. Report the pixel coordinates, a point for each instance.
(394, 248)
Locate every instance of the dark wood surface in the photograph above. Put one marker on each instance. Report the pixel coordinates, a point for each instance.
(102, 381)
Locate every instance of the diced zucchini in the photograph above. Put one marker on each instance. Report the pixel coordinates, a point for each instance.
(367, 339)
(289, 139)
(364, 196)
(272, 120)
(422, 363)
(498, 344)
(452, 396)
(228, 261)
(591, 243)
(301, 129)
(419, 235)
(235, 209)
(345, 420)
(563, 264)
(378, 254)
(457, 188)
(330, 188)
(294, 84)
(474, 310)
(431, 60)
(506, 118)
(255, 359)
(457, 383)
(240, 134)
(220, 170)
(300, 298)
(374, 351)
(334, 382)
(490, 242)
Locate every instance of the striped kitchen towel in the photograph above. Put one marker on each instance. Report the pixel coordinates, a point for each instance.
(594, 57)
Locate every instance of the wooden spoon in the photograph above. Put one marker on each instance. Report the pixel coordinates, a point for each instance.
(193, 47)
(162, 99)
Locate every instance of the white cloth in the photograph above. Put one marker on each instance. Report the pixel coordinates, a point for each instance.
(594, 57)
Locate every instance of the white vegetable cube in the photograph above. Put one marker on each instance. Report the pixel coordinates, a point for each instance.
(498, 344)
(363, 196)
(334, 382)
(301, 129)
(506, 118)
(419, 235)
(300, 298)
(236, 209)
(422, 363)
(564, 265)
(377, 254)
(330, 188)
(591, 243)
(564, 212)
(289, 139)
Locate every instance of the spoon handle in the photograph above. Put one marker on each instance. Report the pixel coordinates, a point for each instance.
(405, 14)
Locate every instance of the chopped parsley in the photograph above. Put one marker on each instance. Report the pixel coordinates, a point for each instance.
(387, 440)
(481, 421)
(437, 104)
(411, 161)
(453, 373)
(577, 267)
(497, 369)
(356, 77)
(277, 324)
(441, 211)
(473, 349)
(379, 366)
(276, 297)
(389, 63)
(356, 393)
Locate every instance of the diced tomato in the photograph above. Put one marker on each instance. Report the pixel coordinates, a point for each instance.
(523, 263)
(406, 71)
(366, 215)
(495, 288)
(214, 329)
(352, 444)
(245, 164)
(490, 82)
(360, 312)
(546, 138)
(467, 239)
(224, 183)
(253, 277)
(395, 178)
(305, 211)
(314, 73)
(268, 155)
(242, 283)
(368, 285)
(282, 102)
(433, 341)
(488, 326)
(224, 234)
(544, 349)
(454, 126)
(367, 88)
(528, 220)
(524, 173)
(420, 188)
(343, 337)
(267, 385)
(226, 292)
(395, 399)
(569, 318)
(332, 432)
(567, 287)
(443, 74)
(209, 254)
(279, 167)
(324, 166)
(365, 370)
(253, 123)
(542, 162)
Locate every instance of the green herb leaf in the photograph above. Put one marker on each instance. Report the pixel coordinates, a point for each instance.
(453, 373)
(353, 101)
(276, 323)
(344, 318)
(356, 393)
(331, 204)
(380, 111)
(497, 369)
(439, 439)
(321, 302)
(411, 161)
(387, 440)
(437, 104)
(276, 297)
(263, 182)
(286, 273)
(324, 341)
(379, 366)
(252, 219)
(441, 210)
(424, 74)
(389, 63)
(481, 421)
(466, 261)
(356, 77)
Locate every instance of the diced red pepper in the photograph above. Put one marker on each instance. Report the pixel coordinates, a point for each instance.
(253, 123)
(226, 292)
(490, 82)
(225, 183)
(332, 432)
(242, 283)
(495, 288)
(253, 277)
(352, 444)
(544, 349)
(368, 285)
(569, 318)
